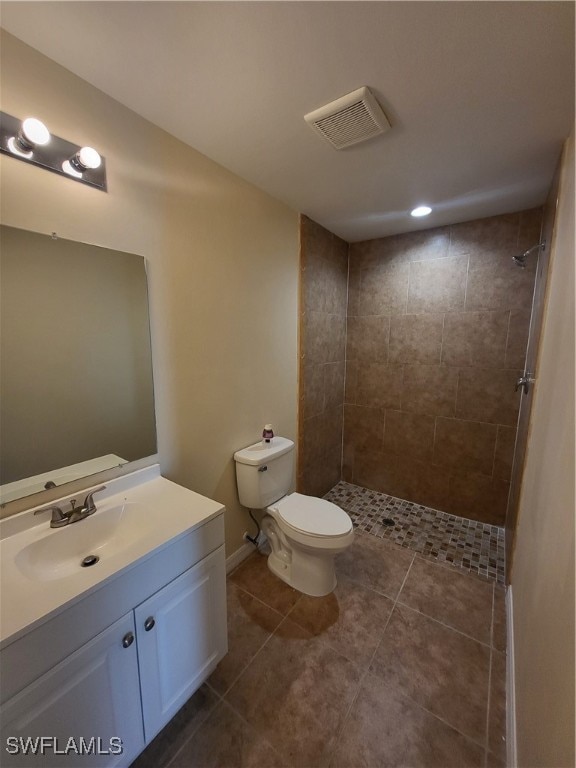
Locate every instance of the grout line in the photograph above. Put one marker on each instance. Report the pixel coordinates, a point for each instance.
(367, 670)
(507, 337)
(466, 283)
(195, 730)
(446, 626)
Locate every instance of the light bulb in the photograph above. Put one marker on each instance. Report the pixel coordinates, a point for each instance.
(14, 147)
(35, 131)
(422, 210)
(89, 158)
(67, 168)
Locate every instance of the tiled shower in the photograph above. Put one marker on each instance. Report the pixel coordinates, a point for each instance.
(410, 348)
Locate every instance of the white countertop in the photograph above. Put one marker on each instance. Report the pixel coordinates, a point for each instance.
(27, 601)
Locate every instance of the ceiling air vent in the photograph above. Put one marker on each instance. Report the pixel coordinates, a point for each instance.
(350, 119)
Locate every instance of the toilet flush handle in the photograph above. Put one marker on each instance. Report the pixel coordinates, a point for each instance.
(263, 468)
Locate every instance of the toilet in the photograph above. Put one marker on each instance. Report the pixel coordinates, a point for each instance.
(305, 533)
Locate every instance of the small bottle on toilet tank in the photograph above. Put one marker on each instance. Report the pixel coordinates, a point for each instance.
(267, 434)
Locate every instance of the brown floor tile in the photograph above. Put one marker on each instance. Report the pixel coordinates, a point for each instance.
(250, 624)
(447, 596)
(227, 741)
(255, 577)
(375, 564)
(351, 620)
(439, 668)
(499, 619)
(387, 729)
(296, 692)
(497, 712)
(182, 726)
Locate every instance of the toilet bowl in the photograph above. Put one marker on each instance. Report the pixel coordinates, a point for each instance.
(305, 533)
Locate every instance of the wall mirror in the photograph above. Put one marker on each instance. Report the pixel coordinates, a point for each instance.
(76, 390)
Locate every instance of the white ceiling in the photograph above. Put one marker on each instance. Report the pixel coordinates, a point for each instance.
(480, 95)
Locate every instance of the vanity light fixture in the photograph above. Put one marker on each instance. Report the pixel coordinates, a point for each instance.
(31, 142)
(421, 210)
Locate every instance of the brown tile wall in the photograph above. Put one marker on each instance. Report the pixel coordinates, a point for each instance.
(323, 296)
(437, 332)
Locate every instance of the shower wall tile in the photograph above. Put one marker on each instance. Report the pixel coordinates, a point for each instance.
(438, 285)
(323, 297)
(530, 231)
(333, 384)
(465, 445)
(429, 389)
(422, 482)
(411, 246)
(324, 337)
(351, 383)
(517, 342)
(459, 341)
(479, 498)
(496, 282)
(367, 338)
(504, 454)
(383, 289)
(313, 385)
(376, 470)
(379, 385)
(354, 279)
(364, 428)
(475, 339)
(496, 234)
(487, 394)
(416, 338)
(409, 434)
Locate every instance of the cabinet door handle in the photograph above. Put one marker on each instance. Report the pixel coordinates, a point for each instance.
(127, 640)
(149, 623)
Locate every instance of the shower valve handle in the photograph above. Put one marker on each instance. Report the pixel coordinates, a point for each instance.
(524, 382)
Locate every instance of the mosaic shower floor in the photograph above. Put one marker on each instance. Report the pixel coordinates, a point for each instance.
(467, 544)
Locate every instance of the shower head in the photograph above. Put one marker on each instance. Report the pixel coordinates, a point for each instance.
(520, 260)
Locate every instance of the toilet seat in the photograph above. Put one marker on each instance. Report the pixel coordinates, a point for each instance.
(311, 516)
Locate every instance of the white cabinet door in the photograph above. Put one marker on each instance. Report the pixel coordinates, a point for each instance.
(85, 703)
(181, 635)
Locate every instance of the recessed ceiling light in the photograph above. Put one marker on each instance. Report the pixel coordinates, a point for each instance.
(422, 210)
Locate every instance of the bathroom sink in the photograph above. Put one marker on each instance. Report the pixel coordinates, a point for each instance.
(62, 552)
(137, 516)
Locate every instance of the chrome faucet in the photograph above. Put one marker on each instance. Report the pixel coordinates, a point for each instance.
(72, 515)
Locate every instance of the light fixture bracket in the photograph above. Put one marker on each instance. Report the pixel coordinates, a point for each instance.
(50, 155)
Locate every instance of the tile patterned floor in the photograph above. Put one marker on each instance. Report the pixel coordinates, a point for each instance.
(402, 665)
(468, 544)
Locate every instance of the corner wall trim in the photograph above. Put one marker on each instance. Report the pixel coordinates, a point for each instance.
(512, 758)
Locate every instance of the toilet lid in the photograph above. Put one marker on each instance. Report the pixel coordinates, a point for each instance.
(316, 517)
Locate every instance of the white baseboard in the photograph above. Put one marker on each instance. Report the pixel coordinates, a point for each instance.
(245, 551)
(511, 756)
(237, 557)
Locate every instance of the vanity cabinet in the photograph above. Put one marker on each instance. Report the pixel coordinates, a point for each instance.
(93, 693)
(130, 679)
(179, 639)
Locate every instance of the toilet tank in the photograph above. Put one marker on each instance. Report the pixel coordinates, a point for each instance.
(264, 472)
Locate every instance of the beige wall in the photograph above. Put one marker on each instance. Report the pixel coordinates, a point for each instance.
(543, 570)
(437, 332)
(223, 269)
(324, 288)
